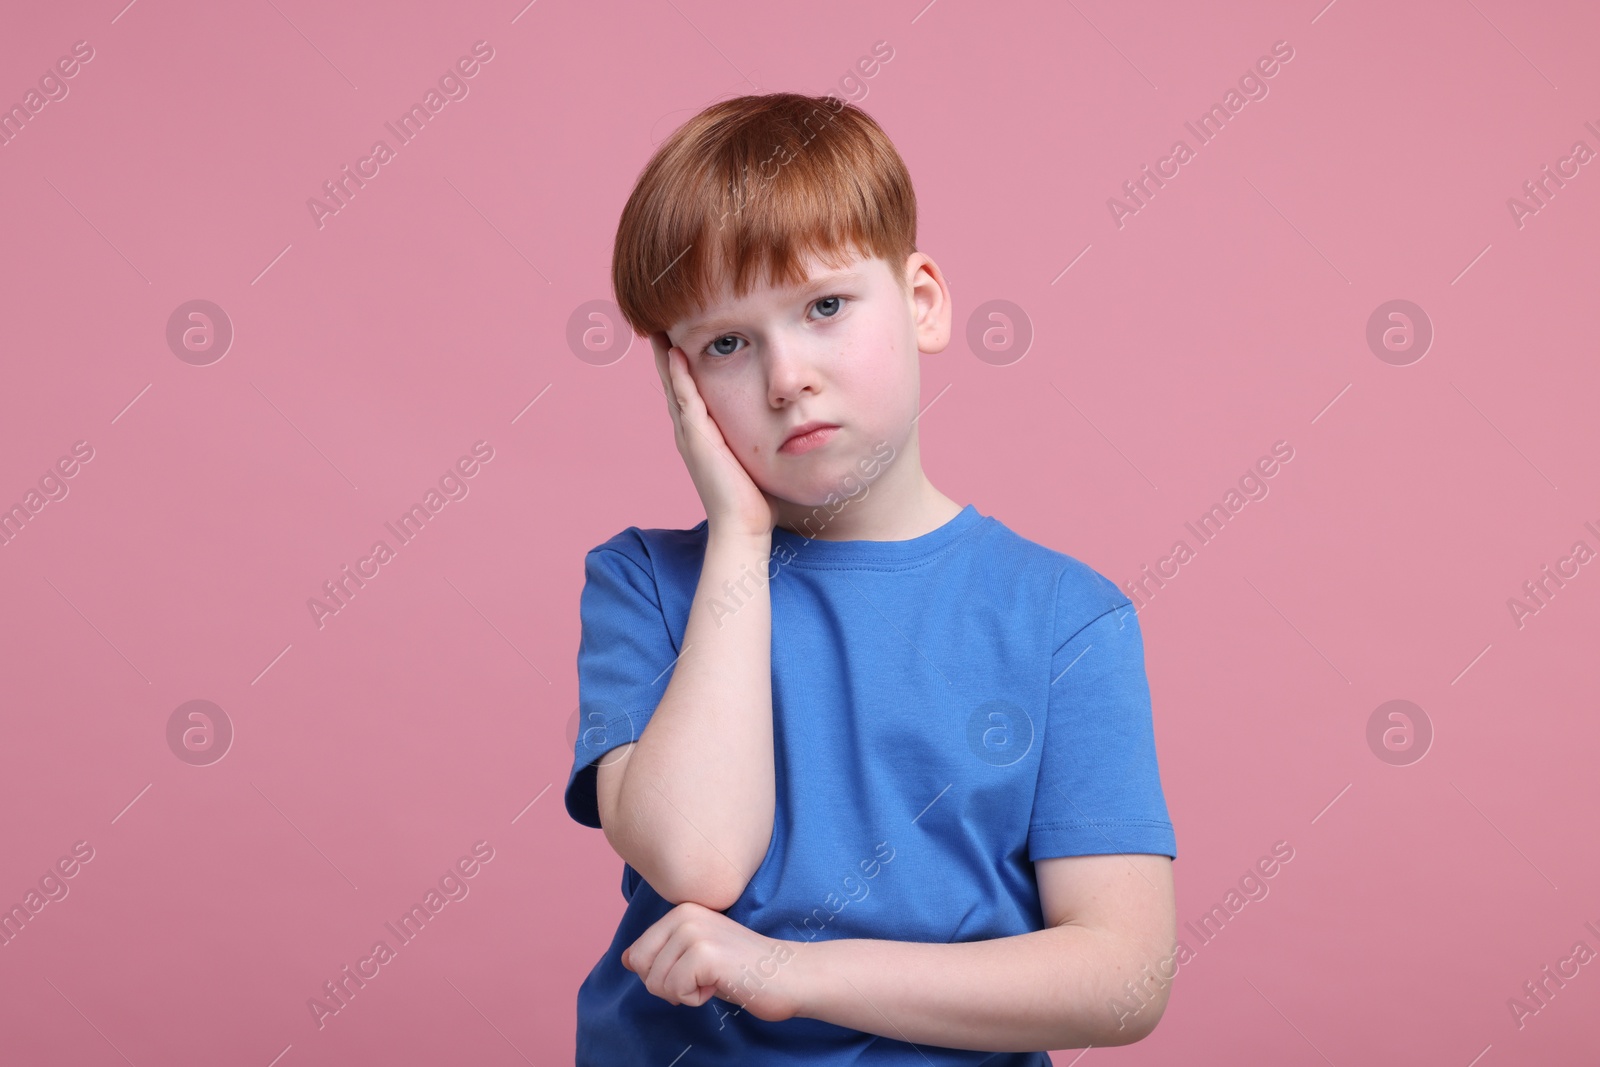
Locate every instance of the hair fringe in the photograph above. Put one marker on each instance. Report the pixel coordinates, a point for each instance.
(758, 183)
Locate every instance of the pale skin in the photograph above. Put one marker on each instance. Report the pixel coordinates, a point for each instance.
(1110, 919)
(737, 377)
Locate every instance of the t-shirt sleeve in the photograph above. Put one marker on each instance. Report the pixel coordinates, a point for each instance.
(1099, 789)
(625, 656)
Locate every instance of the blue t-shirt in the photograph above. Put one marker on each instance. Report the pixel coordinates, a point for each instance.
(945, 710)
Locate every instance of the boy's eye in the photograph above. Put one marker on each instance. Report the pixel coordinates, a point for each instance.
(727, 345)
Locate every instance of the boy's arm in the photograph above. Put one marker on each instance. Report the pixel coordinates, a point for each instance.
(690, 807)
(1111, 920)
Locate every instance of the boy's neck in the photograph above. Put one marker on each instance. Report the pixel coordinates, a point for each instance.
(898, 505)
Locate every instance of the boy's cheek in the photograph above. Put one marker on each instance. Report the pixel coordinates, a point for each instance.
(728, 413)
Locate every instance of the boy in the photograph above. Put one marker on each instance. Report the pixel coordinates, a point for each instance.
(882, 771)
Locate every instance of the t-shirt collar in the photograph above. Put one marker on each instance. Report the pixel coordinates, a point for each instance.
(792, 548)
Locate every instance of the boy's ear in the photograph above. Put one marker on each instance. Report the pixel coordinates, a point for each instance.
(930, 303)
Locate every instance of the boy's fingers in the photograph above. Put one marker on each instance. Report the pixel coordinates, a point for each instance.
(664, 369)
(688, 383)
(690, 390)
(681, 366)
(663, 359)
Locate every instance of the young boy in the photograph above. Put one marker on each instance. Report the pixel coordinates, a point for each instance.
(881, 770)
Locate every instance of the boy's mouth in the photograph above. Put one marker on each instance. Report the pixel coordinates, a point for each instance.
(807, 436)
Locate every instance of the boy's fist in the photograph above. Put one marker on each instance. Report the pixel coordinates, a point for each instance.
(693, 953)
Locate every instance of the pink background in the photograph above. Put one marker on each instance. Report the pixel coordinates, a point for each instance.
(434, 710)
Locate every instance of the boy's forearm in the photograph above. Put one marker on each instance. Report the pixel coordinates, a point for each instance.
(1055, 988)
(697, 796)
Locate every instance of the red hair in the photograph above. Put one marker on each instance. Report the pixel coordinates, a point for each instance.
(758, 182)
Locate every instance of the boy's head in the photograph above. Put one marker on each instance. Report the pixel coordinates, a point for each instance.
(773, 239)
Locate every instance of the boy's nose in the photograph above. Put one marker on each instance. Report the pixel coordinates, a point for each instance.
(790, 371)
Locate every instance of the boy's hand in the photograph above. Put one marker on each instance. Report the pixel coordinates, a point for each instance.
(693, 953)
(732, 500)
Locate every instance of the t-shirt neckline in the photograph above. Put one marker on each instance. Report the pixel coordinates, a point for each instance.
(797, 549)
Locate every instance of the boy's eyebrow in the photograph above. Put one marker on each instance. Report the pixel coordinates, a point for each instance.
(815, 282)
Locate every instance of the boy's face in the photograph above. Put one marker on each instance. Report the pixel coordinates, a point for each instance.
(841, 348)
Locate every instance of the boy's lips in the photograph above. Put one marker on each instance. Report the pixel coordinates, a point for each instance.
(807, 436)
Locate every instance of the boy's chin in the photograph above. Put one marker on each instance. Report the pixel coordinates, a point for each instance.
(818, 494)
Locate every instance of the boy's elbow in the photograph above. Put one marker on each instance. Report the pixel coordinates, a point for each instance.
(707, 878)
(695, 880)
(1128, 1015)
(680, 869)
(1134, 1025)
(708, 893)
(1136, 1029)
